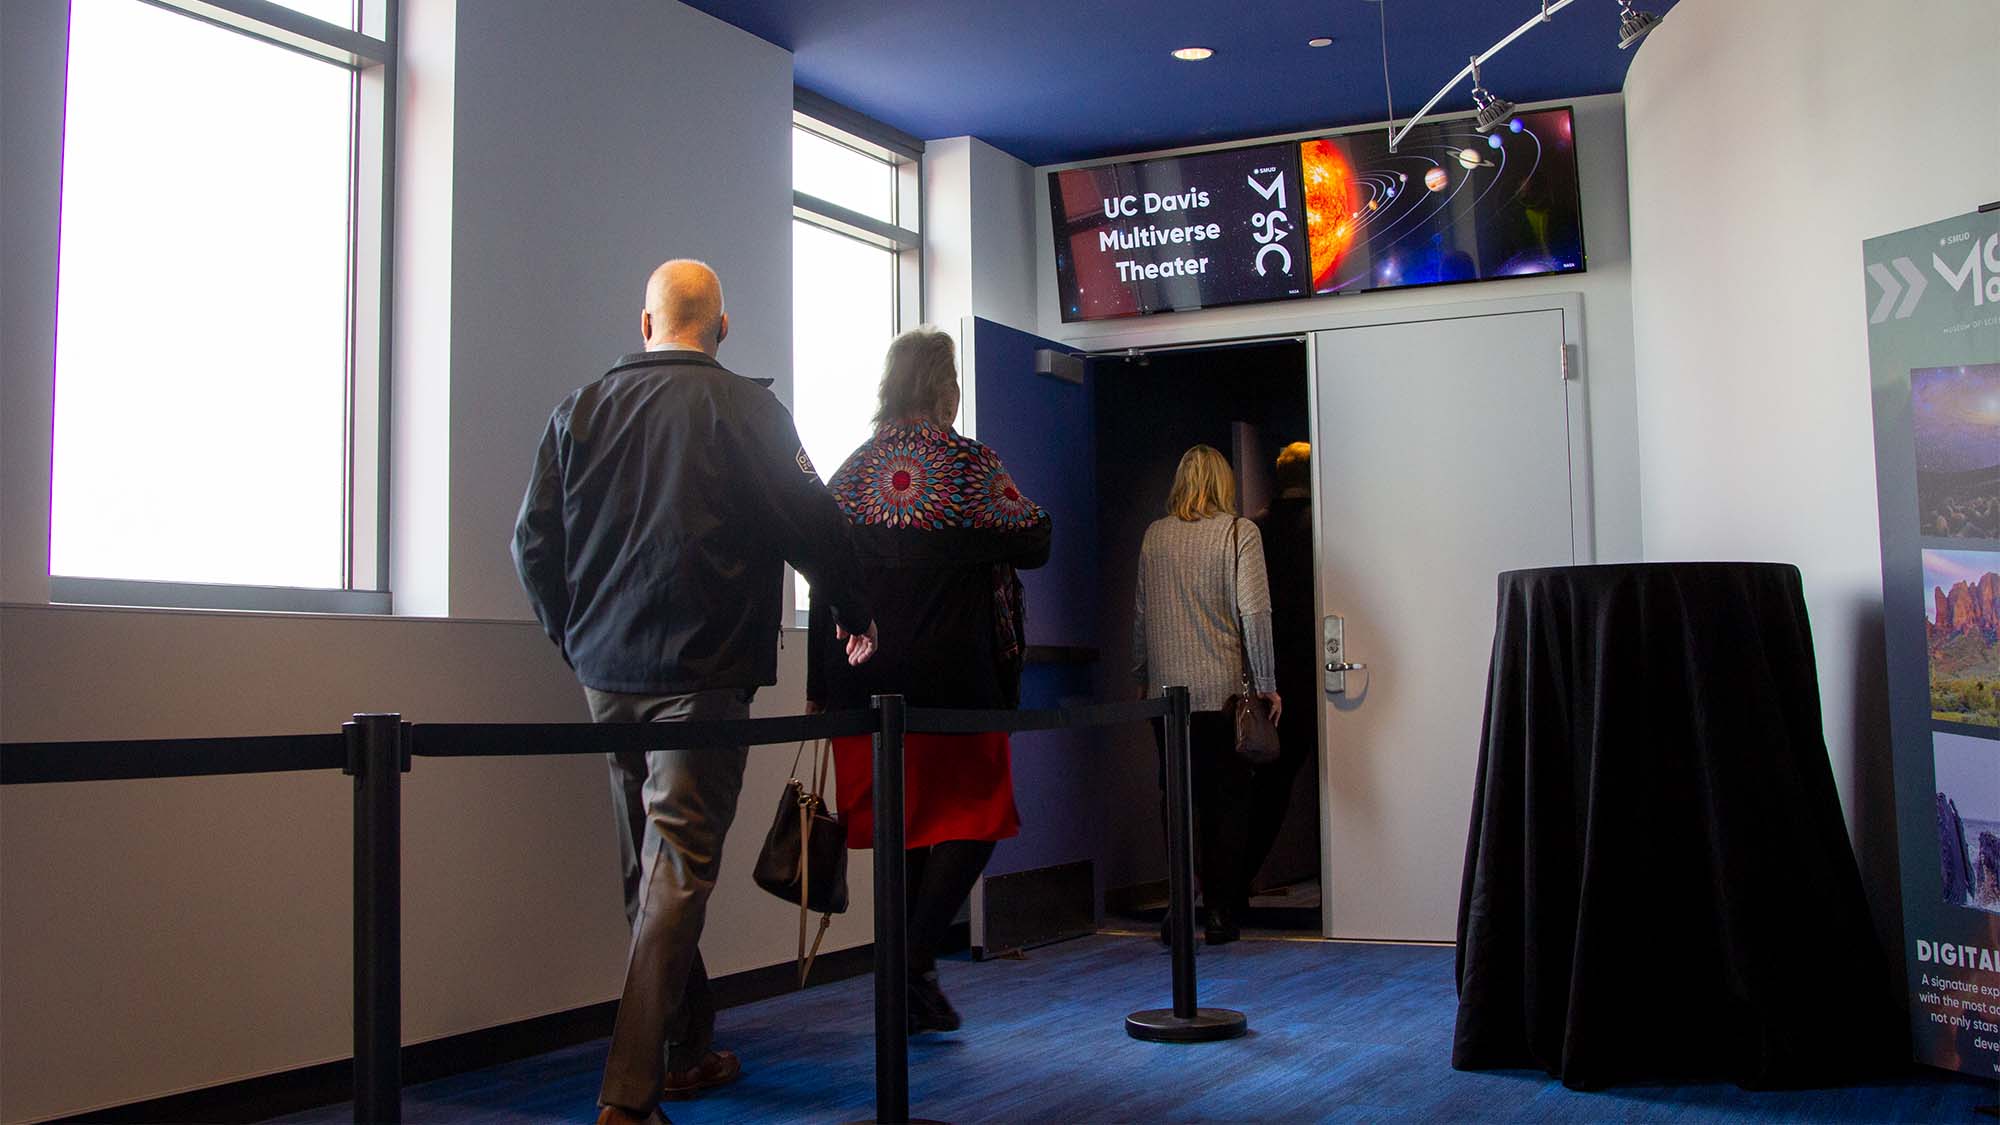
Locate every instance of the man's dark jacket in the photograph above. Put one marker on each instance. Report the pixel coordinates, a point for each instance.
(666, 498)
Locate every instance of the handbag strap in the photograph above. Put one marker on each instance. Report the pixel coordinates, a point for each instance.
(1236, 602)
(808, 801)
(805, 878)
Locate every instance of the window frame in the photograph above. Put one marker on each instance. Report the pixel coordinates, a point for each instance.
(903, 238)
(905, 154)
(368, 51)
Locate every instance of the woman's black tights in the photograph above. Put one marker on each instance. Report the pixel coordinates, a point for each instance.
(938, 879)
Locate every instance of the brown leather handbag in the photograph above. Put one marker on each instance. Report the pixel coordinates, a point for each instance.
(804, 858)
(1249, 713)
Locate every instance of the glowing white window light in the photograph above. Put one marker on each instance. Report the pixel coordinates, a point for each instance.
(202, 332)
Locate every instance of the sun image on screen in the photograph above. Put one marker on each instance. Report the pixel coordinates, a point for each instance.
(1450, 204)
(1329, 183)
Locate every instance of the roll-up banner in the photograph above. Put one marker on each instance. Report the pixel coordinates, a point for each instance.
(1933, 309)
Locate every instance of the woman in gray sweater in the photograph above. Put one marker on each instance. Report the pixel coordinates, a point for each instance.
(1202, 603)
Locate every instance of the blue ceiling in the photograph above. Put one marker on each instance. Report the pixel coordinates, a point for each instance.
(1058, 80)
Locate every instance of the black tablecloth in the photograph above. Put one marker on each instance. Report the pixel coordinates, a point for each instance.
(1658, 882)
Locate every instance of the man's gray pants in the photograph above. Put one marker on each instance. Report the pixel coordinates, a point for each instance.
(673, 811)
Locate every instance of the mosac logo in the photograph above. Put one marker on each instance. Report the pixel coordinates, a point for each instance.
(1902, 289)
(805, 463)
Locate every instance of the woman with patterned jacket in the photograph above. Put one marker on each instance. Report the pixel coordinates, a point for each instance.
(939, 529)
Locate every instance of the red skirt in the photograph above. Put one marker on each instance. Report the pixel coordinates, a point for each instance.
(955, 787)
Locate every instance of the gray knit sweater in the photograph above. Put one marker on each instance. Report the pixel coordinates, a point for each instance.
(1189, 607)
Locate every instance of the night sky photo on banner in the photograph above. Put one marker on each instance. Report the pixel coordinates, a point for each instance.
(1955, 413)
(1450, 204)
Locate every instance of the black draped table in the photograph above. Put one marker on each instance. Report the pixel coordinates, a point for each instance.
(1658, 883)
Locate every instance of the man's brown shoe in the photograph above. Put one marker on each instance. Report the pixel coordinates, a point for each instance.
(719, 1068)
(618, 1115)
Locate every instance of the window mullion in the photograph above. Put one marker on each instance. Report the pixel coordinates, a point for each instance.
(853, 223)
(285, 27)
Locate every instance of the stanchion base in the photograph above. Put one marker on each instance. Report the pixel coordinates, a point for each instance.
(1161, 1025)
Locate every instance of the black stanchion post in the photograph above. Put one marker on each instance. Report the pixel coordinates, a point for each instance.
(1186, 1021)
(375, 756)
(892, 932)
(1180, 851)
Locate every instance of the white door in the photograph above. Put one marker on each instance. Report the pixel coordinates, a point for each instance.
(1443, 458)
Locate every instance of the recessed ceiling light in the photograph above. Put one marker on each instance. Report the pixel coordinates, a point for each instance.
(1193, 54)
(1322, 41)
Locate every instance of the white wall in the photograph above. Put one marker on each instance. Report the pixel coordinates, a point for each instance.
(1607, 314)
(948, 232)
(1003, 237)
(979, 235)
(593, 141)
(161, 936)
(1767, 139)
(978, 248)
(420, 398)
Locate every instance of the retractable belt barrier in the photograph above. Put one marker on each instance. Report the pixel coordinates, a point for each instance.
(376, 750)
(34, 763)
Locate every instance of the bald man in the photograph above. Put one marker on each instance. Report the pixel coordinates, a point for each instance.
(665, 500)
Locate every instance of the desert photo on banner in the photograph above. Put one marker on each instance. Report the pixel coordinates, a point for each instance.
(1962, 623)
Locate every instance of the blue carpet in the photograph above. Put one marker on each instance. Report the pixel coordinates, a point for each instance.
(1344, 1032)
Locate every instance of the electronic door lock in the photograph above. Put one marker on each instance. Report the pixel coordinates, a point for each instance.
(1336, 663)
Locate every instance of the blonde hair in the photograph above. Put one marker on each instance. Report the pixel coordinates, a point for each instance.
(919, 377)
(1203, 486)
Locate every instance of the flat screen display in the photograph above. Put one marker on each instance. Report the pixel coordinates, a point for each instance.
(1337, 214)
(1184, 232)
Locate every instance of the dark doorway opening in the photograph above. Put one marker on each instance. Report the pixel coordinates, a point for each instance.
(1250, 401)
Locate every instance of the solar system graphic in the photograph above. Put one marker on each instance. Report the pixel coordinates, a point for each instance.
(1339, 214)
(1451, 204)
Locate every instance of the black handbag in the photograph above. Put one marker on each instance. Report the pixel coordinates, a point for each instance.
(1249, 714)
(804, 858)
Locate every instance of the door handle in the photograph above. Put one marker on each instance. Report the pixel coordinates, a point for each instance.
(1334, 631)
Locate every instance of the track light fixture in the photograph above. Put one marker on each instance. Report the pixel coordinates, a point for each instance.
(1633, 24)
(1493, 112)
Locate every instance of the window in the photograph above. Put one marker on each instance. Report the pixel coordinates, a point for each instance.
(856, 272)
(219, 338)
